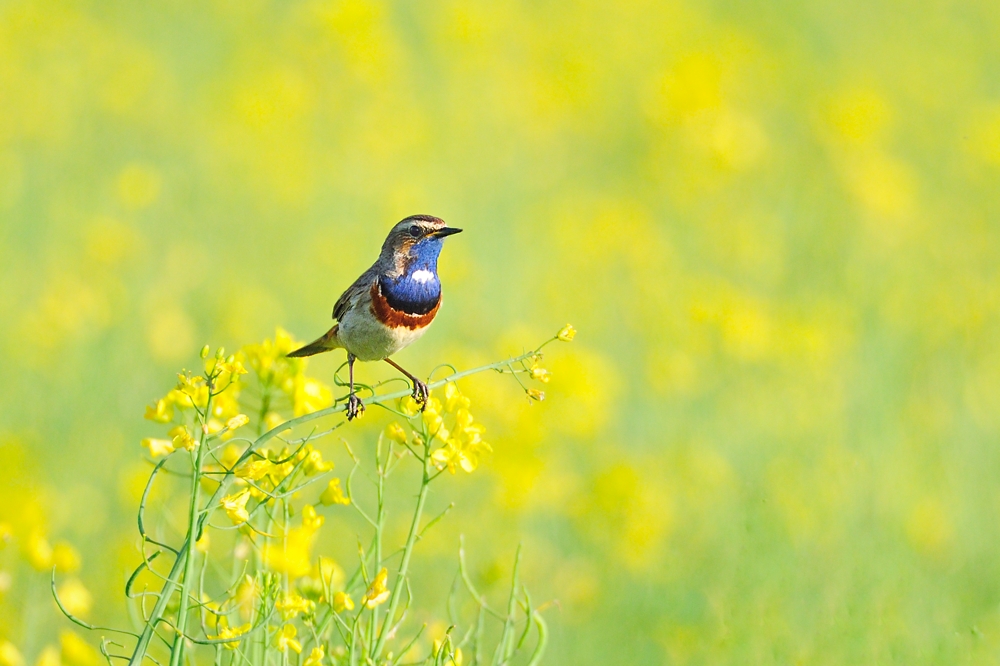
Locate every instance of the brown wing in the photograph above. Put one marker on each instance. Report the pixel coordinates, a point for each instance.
(356, 291)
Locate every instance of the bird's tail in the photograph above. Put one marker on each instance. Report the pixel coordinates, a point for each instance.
(325, 343)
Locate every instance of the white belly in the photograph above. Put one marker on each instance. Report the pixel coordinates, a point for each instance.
(370, 340)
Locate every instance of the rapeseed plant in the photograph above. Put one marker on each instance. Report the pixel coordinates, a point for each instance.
(244, 584)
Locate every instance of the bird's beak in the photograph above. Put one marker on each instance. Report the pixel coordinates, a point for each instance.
(445, 231)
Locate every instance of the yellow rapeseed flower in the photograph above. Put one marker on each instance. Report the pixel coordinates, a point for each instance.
(541, 374)
(254, 469)
(161, 411)
(315, 657)
(237, 421)
(177, 399)
(10, 655)
(231, 632)
(315, 464)
(377, 593)
(334, 494)
(449, 455)
(342, 601)
(231, 366)
(193, 391)
(188, 382)
(455, 454)
(535, 394)
(395, 432)
(311, 520)
(236, 506)
(463, 420)
(293, 604)
(286, 639)
(409, 406)
(567, 333)
(183, 439)
(278, 471)
(433, 421)
(453, 398)
(269, 358)
(472, 452)
(74, 597)
(158, 447)
(310, 395)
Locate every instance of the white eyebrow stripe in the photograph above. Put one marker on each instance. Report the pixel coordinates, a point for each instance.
(423, 275)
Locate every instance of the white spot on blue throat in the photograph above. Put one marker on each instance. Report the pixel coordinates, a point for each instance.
(423, 275)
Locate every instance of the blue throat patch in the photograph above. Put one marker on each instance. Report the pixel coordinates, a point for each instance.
(418, 290)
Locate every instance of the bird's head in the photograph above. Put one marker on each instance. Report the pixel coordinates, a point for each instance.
(416, 242)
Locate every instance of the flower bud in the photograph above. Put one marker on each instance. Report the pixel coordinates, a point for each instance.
(535, 394)
(567, 333)
(204, 351)
(541, 374)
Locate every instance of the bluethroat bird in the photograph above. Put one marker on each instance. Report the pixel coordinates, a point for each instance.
(391, 305)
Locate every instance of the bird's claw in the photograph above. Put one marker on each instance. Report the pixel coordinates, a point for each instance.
(421, 393)
(355, 407)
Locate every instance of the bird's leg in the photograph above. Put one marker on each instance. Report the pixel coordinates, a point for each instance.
(420, 390)
(354, 405)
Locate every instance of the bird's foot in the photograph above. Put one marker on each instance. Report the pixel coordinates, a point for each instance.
(421, 393)
(355, 407)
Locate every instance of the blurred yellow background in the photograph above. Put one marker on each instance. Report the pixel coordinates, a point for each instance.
(775, 226)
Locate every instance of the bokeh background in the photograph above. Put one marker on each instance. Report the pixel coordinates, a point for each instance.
(775, 226)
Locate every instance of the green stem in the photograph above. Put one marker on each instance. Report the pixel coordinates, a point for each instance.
(543, 639)
(504, 650)
(285, 584)
(411, 540)
(379, 523)
(177, 652)
(160, 606)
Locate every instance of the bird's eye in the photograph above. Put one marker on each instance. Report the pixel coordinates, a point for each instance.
(415, 231)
